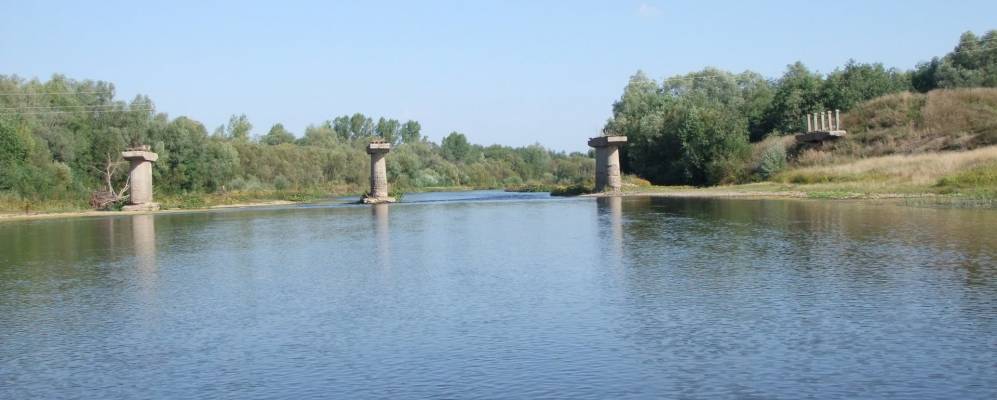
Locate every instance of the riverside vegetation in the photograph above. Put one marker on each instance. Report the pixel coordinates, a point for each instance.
(925, 131)
(60, 140)
(929, 130)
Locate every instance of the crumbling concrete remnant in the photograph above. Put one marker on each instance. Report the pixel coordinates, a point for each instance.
(378, 173)
(140, 179)
(607, 162)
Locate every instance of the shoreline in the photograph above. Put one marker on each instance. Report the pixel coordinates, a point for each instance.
(12, 217)
(706, 194)
(781, 195)
(912, 198)
(655, 191)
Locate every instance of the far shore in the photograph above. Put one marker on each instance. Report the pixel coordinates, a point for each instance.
(763, 190)
(95, 213)
(705, 193)
(759, 194)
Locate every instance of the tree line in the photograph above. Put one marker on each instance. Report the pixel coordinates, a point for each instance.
(59, 137)
(698, 128)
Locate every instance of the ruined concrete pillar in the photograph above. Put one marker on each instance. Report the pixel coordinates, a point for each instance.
(823, 121)
(810, 125)
(837, 120)
(607, 162)
(378, 173)
(830, 121)
(140, 179)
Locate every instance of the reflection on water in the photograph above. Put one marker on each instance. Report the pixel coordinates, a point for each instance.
(511, 297)
(144, 242)
(611, 209)
(382, 233)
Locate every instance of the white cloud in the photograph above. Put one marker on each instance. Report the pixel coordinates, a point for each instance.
(648, 10)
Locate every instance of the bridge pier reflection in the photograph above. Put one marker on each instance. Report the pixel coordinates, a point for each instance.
(611, 221)
(382, 233)
(144, 244)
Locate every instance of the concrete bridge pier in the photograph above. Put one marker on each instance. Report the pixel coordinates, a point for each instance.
(607, 162)
(378, 174)
(140, 179)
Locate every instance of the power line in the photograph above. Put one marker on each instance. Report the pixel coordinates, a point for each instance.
(75, 111)
(50, 93)
(71, 106)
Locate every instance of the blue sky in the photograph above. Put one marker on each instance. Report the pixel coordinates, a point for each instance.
(512, 72)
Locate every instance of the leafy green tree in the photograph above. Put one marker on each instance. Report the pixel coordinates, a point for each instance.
(14, 146)
(322, 135)
(924, 78)
(239, 127)
(714, 144)
(411, 132)
(341, 125)
(691, 130)
(389, 130)
(277, 135)
(756, 97)
(361, 126)
(455, 147)
(856, 83)
(798, 93)
(973, 63)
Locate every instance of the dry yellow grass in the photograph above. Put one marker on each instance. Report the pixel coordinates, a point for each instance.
(916, 170)
(910, 123)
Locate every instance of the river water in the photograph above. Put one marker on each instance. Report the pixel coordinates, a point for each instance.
(495, 295)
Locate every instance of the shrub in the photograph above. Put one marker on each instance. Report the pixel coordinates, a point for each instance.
(571, 190)
(773, 161)
(281, 183)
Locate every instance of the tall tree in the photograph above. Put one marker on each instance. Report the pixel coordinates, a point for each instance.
(361, 126)
(455, 147)
(797, 95)
(856, 83)
(239, 127)
(411, 132)
(342, 127)
(277, 135)
(388, 129)
(972, 63)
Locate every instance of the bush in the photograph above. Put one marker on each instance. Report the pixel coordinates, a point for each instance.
(773, 161)
(571, 190)
(984, 176)
(281, 183)
(634, 180)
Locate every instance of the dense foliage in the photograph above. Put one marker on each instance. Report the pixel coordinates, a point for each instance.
(696, 128)
(58, 138)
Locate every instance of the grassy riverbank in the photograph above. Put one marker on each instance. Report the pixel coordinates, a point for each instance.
(11, 207)
(943, 176)
(962, 177)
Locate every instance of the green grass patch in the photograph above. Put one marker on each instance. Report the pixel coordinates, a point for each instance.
(571, 190)
(14, 204)
(833, 195)
(978, 181)
(530, 188)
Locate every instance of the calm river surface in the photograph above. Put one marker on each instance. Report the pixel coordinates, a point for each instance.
(494, 295)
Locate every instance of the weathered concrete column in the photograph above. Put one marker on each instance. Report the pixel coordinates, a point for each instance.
(837, 120)
(810, 125)
(607, 162)
(140, 179)
(378, 173)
